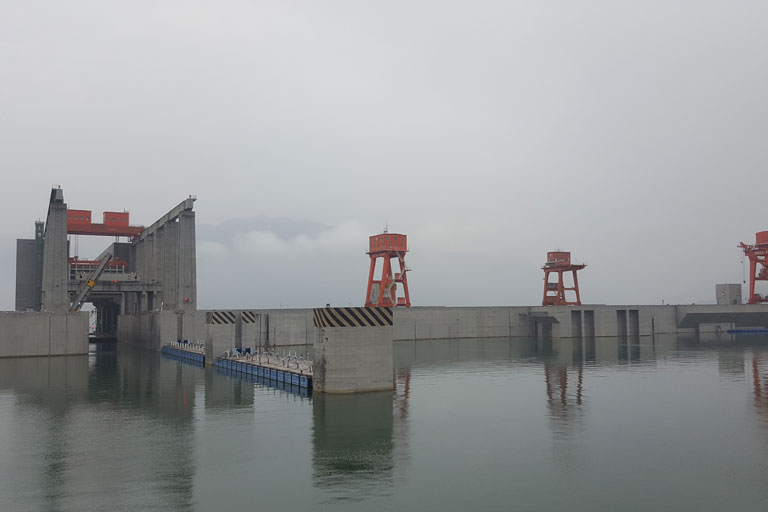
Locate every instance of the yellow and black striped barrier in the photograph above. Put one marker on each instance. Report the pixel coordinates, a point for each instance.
(220, 317)
(230, 317)
(352, 317)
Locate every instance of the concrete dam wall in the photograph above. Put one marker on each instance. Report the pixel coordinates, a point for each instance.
(423, 323)
(43, 334)
(221, 329)
(225, 329)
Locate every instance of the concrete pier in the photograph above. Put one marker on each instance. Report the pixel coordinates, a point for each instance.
(55, 294)
(353, 356)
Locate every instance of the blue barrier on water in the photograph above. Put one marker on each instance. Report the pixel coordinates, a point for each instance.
(185, 355)
(254, 370)
(303, 391)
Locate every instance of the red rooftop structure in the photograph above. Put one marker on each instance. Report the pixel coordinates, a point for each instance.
(758, 265)
(383, 291)
(559, 262)
(80, 222)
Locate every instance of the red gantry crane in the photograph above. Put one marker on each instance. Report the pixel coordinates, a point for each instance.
(758, 265)
(383, 291)
(554, 293)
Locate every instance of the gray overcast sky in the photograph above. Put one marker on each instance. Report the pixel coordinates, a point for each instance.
(630, 133)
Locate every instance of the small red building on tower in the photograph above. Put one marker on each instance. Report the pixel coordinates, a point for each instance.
(758, 265)
(559, 262)
(383, 291)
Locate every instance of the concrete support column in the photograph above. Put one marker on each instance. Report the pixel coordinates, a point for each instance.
(171, 266)
(159, 263)
(139, 254)
(55, 254)
(187, 263)
(149, 258)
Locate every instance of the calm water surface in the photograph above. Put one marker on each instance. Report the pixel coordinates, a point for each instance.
(664, 424)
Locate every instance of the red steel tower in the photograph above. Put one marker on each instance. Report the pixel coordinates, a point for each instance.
(383, 291)
(554, 293)
(758, 265)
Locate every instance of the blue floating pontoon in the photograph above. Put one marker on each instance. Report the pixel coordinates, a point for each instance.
(185, 355)
(258, 372)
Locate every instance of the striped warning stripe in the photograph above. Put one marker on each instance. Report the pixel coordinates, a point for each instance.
(220, 317)
(352, 317)
(249, 317)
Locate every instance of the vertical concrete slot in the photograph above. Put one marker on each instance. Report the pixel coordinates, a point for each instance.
(634, 324)
(621, 323)
(589, 324)
(576, 325)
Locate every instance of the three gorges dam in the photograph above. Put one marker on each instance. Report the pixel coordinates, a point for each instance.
(143, 288)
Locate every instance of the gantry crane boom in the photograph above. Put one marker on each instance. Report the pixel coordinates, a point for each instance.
(82, 294)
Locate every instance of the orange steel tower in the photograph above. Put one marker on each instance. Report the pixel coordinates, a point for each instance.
(383, 292)
(554, 293)
(758, 265)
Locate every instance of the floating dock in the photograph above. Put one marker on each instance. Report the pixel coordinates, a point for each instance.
(300, 376)
(185, 353)
(267, 383)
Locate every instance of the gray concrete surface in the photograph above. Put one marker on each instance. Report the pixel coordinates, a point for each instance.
(55, 295)
(26, 334)
(352, 359)
(26, 278)
(291, 327)
(728, 294)
(153, 329)
(419, 323)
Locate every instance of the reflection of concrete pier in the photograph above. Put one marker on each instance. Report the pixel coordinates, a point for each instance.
(352, 440)
(74, 447)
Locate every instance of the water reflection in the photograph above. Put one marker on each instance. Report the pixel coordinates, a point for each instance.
(496, 421)
(759, 373)
(224, 391)
(78, 419)
(48, 388)
(352, 439)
